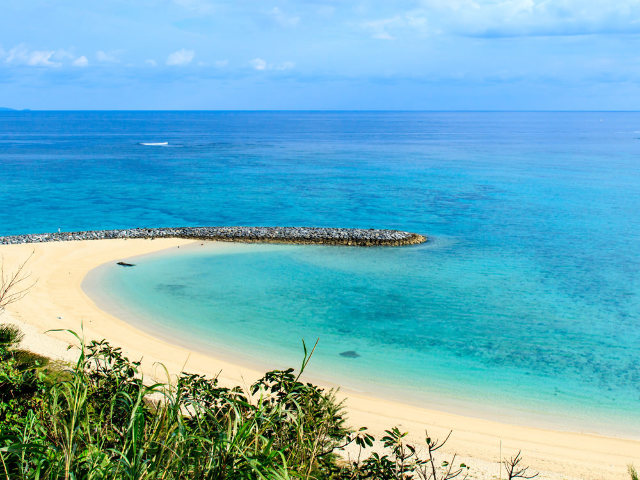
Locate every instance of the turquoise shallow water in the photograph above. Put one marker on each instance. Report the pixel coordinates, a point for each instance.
(488, 336)
(525, 304)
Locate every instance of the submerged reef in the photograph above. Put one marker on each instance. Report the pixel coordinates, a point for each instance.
(296, 235)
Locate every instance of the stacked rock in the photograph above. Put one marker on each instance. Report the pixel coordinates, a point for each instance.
(297, 235)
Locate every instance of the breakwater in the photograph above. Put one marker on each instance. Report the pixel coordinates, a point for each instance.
(295, 235)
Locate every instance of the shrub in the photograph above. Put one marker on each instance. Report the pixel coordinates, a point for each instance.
(98, 419)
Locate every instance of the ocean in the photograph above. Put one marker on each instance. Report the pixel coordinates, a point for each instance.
(524, 305)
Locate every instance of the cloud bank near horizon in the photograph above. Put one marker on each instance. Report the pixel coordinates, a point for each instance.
(425, 54)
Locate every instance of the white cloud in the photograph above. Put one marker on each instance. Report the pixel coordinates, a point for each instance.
(530, 17)
(80, 62)
(107, 57)
(281, 18)
(21, 55)
(415, 21)
(42, 58)
(62, 54)
(504, 18)
(380, 28)
(151, 62)
(180, 57)
(389, 28)
(284, 66)
(258, 64)
(261, 65)
(222, 63)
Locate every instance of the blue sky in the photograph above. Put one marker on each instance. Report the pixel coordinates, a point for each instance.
(320, 54)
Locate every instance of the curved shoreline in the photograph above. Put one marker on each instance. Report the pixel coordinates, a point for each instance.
(58, 301)
(292, 235)
(251, 351)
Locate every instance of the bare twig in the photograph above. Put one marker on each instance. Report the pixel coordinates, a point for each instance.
(14, 286)
(514, 470)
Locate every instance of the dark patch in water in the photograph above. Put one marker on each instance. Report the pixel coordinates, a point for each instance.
(350, 354)
(176, 288)
(125, 264)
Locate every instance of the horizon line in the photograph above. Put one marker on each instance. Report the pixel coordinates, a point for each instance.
(304, 110)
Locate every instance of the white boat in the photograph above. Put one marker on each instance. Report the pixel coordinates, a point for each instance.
(154, 144)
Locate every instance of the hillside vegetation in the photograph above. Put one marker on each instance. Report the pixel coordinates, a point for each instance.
(99, 419)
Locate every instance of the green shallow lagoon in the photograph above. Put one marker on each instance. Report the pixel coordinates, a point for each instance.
(436, 325)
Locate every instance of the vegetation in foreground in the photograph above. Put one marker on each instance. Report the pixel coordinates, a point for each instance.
(98, 419)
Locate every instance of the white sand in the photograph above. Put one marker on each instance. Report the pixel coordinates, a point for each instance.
(58, 301)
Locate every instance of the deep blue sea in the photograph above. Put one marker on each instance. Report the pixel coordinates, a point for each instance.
(524, 305)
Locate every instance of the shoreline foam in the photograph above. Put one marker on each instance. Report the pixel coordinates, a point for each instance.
(58, 301)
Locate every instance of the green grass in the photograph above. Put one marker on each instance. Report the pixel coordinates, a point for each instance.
(99, 419)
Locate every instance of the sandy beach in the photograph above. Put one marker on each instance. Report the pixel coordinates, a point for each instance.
(57, 301)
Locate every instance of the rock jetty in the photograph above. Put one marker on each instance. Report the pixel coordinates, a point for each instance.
(297, 235)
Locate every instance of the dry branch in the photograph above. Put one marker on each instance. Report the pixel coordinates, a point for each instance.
(514, 470)
(14, 286)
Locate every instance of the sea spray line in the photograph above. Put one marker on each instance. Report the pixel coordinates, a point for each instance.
(295, 235)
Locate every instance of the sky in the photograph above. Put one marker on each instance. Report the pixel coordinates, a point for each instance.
(320, 54)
